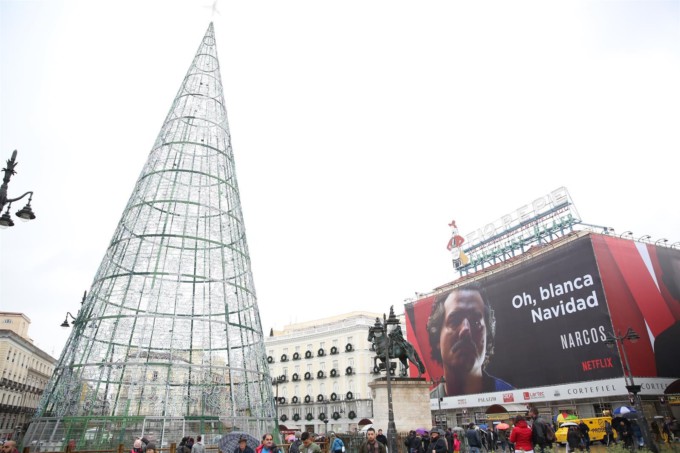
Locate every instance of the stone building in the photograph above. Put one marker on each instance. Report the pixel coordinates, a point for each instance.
(321, 370)
(24, 372)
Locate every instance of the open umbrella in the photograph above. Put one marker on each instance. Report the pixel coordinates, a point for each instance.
(563, 417)
(568, 424)
(483, 426)
(421, 431)
(623, 410)
(229, 442)
(616, 421)
(503, 426)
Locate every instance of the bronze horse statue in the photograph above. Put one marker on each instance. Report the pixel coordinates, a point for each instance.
(399, 349)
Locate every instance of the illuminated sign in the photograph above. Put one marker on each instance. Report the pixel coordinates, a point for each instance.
(545, 218)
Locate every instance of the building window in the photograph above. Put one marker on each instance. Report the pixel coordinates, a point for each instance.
(297, 349)
(8, 321)
(322, 344)
(350, 362)
(309, 367)
(323, 366)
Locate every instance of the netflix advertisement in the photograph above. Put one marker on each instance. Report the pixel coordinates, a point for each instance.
(642, 285)
(549, 325)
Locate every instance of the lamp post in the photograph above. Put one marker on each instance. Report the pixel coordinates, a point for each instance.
(276, 381)
(440, 387)
(25, 213)
(618, 340)
(380, 330)
(74, 318)
(325, 418)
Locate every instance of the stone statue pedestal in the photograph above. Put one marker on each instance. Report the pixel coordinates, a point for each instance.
(410, 403)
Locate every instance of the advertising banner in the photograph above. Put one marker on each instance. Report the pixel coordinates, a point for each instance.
(537, 323)
(642, 285)
(534, 395)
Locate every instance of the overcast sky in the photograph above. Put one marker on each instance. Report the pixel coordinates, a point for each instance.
(360, 130)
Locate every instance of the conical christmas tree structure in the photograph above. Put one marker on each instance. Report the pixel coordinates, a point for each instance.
(168, 341)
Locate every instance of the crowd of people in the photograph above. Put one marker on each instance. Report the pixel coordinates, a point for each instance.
(533, 434)
(526, 434)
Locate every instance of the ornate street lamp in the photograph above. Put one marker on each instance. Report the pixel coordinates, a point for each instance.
(618, 340)
(74, 318)
(25, 213)
(381, 332)
(65, 323)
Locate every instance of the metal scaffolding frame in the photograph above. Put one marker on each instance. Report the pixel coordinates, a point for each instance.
(170, 331)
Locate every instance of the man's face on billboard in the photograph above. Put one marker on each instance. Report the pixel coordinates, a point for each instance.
(463, 336)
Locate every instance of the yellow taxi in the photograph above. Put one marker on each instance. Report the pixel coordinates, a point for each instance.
(596, 425)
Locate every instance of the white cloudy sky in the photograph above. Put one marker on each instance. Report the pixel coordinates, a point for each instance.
(361, 128)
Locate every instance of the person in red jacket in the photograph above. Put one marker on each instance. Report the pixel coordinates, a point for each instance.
(521, 436)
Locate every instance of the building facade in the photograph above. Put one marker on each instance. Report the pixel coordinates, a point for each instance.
(555, 319)
(24, 372)
(321, 370)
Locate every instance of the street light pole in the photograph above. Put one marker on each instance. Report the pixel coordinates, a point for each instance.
(381, 330)
(440, 387)
(276, 381)
(25, 213)
(633, 337)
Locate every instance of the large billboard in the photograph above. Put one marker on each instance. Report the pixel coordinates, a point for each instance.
(642, 284)
(548, 318)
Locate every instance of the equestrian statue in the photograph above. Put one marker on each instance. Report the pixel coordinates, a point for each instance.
(395, 345)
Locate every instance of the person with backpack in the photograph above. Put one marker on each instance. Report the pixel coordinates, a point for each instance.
(295, 445)
(542, 434)
(438, 441)
(337, 446)
(474, 440)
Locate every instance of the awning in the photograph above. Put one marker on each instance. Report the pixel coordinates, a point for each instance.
(674, 387)
(506, 408)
